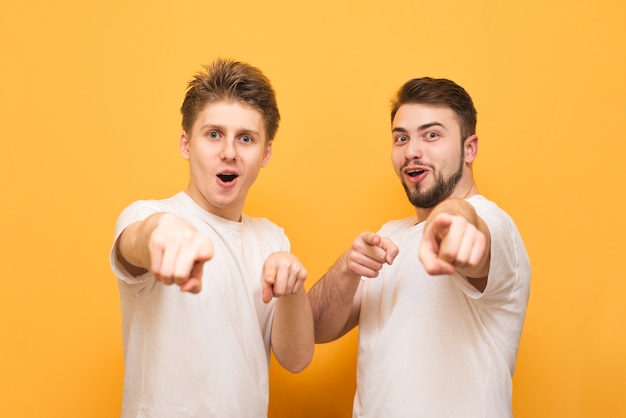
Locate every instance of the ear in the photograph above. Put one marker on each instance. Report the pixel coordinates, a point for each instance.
(471, 148)
(267, 154)
(184, 145)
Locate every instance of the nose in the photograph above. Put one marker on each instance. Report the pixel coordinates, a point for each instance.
(228, 149)
(413, 149)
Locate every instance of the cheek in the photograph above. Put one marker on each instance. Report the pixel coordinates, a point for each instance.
(397, 158)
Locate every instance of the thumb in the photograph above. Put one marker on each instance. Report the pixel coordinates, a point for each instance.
(194, 284)
(205, 251)
(268, 292)
(391, 249)
(267, 283)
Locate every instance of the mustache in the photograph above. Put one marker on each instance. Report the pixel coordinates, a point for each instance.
(417, 162)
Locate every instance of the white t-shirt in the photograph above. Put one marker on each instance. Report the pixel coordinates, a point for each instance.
(434, 346)
(205, 354)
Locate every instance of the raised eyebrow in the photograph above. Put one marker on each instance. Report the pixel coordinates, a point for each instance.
(399, 130)
(249, 132)
(211, 127)
(421, 128)
(429, 125)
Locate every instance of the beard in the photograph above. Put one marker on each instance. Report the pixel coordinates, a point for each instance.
(442, 189)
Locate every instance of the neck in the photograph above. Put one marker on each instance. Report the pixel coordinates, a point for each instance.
(231, 212)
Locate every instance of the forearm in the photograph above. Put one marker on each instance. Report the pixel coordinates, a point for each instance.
(292, 331)
(134, 242)
(455, 207)
(332, 302)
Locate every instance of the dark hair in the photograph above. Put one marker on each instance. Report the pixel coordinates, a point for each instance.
(226, 79)
(438, 91)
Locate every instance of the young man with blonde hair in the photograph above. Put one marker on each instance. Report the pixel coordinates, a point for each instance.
(207, 291)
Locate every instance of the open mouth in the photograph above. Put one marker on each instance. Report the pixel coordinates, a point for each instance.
(227, 178)
(414, 173)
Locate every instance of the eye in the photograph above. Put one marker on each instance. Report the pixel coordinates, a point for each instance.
(431, 136)
(401, 139)
(246, 139)
(213, 134)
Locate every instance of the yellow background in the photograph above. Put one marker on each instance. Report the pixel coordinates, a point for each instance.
(89, 99)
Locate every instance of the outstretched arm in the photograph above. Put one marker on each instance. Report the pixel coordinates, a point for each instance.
(456, 239)
(292, 327)
(335, 298)
(169, 247)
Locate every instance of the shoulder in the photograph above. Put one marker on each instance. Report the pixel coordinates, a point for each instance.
(509, 257)
(265, 233)
(397, 226)
(481, 203)
(141, 209)
(491, 213)
(261, 224)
